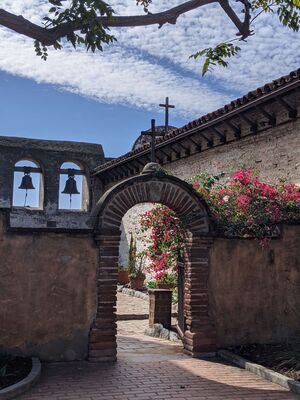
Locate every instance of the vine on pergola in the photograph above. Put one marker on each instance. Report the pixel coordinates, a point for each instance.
(87, 23)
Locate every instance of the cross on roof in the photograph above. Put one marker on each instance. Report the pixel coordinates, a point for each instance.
(167, 106)
(153, 135)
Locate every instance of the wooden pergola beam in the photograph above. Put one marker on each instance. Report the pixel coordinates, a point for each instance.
(219, 134)
(292, 112)
(236, 129)
(252, 124)
(196, 144)
(175, 150)
(271, 117)
(166, 154)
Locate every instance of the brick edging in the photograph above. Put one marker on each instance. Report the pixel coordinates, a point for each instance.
(25, 384)
(134, 293)
(261, 371)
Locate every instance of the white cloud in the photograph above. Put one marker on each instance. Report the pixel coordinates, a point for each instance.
(149, 63)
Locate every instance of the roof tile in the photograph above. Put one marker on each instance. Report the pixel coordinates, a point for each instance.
(235, 104)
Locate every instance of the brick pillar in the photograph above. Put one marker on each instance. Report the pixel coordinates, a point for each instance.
(160, 307)
(102, 339)
(200, 334)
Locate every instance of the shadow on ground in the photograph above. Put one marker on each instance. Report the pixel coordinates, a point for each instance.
(150, 369)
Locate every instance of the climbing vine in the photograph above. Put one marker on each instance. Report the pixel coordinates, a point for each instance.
(165, 243)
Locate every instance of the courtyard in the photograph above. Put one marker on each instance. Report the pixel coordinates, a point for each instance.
(150, 368)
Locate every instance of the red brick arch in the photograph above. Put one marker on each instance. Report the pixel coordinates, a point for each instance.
(157, 187)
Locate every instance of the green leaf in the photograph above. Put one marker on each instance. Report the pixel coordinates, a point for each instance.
(215, 56)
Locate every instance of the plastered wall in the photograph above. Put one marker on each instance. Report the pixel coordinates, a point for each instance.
(255, 292)
(47, 293)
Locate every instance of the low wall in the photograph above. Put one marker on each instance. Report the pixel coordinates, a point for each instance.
(255, 292)
(47, 293)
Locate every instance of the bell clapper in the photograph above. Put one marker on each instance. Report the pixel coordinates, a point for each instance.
(25, 198)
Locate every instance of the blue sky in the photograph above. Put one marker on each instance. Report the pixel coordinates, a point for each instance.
(41, 111)
(110, 97)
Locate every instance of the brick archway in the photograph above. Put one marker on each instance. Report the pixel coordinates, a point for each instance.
(152, 186)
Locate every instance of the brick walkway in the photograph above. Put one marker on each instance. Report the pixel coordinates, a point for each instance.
(148, 369)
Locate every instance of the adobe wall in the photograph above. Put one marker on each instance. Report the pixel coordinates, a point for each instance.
(254, 292)
(273, 154)
(47, 292)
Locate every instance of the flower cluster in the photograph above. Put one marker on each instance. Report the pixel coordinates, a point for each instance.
(246, 206)
(165, 242)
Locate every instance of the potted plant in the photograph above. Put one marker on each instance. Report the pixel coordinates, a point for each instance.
(135, 267)
(137, 278)
(123, 275)
(167, 281)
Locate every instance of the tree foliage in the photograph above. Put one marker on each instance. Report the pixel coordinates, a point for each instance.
(216, 56)
(86, 23)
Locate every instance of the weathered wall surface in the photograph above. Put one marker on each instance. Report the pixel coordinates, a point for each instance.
(49, 155)
(255, 292)
(47, 293)
(131, 225)
(273, 153)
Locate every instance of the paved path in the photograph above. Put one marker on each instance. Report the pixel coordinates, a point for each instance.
(150, 369)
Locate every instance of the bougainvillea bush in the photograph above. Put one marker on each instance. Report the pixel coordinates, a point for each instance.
(246, 206)
(165, 243)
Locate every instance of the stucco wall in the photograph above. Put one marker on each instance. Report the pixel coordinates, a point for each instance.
(255, 292)
(47, 293)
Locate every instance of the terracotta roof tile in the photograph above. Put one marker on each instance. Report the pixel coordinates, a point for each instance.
(233, 105)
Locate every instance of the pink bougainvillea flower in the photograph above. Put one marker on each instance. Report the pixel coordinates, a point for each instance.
(243, 200)
(166, 241)
(196, 185)
(247, 206)
(243, 176)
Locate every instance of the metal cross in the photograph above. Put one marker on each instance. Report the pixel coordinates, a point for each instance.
(153, 135)
(167, 106)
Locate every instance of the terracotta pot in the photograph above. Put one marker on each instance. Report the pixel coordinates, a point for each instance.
(123, 277)
(137, 282)
(165, 285)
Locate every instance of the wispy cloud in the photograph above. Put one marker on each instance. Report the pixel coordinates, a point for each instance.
(149, 63)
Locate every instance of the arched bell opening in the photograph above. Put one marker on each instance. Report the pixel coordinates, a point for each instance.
(73, 187)
(28, 185)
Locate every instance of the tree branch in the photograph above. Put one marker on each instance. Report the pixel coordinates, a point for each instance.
(49, 36)
(21, 25)
(243, 28)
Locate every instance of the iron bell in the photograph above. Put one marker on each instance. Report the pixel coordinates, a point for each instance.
(70, 186)
(26, 181)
